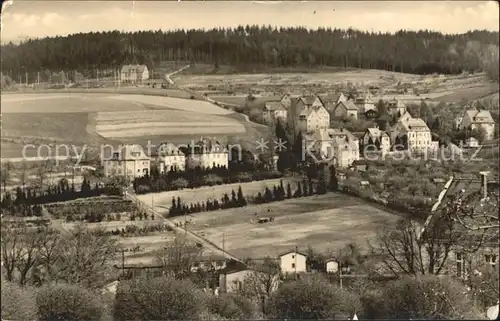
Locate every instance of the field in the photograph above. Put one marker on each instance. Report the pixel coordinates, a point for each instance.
(93, 119)
(326, 223)
(163, 201)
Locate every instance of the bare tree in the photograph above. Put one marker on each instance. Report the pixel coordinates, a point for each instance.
(405, 251)
(5, 175)
(84, 256)
(179, 257)
(12, 248)
(49, 249)
(263, 281)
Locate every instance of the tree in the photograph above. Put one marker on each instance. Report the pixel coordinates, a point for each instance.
(233, 307)
(484, 284)
(5, 174)
(298, 192)
(162, 298)
(241, 199)
(289, 191)
(333, 179)
(18, 303)
(69, 302)
(178, 258)
(425, 110)
(263, 281)
(425, 297)
(436, 125)
(312, 298)
(405, 251)
(382, 109)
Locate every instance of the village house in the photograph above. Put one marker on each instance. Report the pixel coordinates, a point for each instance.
(371, 114)
(274, 110)
(396, 108)
(474, 119)
(207, 153)
(129, 161)
(134, 74)
(331, 101)
(170, 158)
(332, 265)
(375, 137)
(312, 114)
(345, 109)
(364, 103)
(293, 262)
(235, 279)
(412, 134)
(338, 146)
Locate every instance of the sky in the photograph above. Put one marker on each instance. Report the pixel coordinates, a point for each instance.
(34, 19)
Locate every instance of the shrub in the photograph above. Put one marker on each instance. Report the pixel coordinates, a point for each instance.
(18, 303)
(212, 179)
(233, 306)
(69, 303)
(180, 183)
(163, 298)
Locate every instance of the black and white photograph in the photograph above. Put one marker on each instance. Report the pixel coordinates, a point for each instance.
(249, 160)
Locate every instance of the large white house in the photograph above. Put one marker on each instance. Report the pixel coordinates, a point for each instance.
(134, 74)
(207, 153)
(337, 146)
(378, 138)
(412, 133)
(170, 158)
(129, 161)
(312, 114)
(293, 262)
(474, 119)
(274, 110)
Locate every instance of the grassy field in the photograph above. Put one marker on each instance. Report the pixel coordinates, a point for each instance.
(326, 223)
(469, 93)
(163, 201)
(92, 119)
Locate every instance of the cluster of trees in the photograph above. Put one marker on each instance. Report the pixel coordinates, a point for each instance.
(134, 230)
(25, 199)
(194, 178)
(421, 52)
(236, 200)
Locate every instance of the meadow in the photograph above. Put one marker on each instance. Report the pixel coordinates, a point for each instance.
(326, 223)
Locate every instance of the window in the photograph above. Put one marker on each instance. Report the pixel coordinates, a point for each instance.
(461, 269)
(491, 259)
(293, 256)
(293, 265)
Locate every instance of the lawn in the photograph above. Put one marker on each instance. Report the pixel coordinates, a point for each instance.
(163, 201)
(326, 223)
(469, 93)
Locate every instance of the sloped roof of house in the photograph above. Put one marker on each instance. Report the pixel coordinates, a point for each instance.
(480, 116)
(309, 99)
(376, 133)
(209, 145)
(413, 124)
(134, 68)
(169, 149)
(273, 105)
(292, 251)
(130, 152)
(349, 105)
(333, 98)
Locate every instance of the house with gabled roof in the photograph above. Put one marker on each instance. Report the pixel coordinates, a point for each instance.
(312, 114)
(412, 134)
(274, 110)
(396, 108)
(331, 101)
(293, 261)
(207, 153)
(374, 137)
(346, 109)
(334, 145)
(364, 103)
(134, 74)
(129, 160)
(474, 119)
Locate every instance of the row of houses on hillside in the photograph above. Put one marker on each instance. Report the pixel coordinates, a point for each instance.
(131, 160)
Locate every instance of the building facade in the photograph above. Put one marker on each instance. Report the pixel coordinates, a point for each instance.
(474, 119)
(338, 147)
(134, 74)
(345, 109)
(207, 153)
(396, 108)
(273, 111)
(129, 161)
(412, 134)
(293, 262)
(378, 138)
(170, 158)
(312, 114)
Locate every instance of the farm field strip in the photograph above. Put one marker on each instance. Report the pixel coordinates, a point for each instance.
(158, 115)
(164, 124)
(163, 201)
(166, 130)
(192, 105)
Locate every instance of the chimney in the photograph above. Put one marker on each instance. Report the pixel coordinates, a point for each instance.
(484, 180)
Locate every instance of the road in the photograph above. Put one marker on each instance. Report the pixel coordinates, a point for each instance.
(179, 230)
(167, 76)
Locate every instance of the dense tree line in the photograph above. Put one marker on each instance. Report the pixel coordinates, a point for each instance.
(420, 52)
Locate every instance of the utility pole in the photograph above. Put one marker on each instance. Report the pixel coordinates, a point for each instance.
(38, 79)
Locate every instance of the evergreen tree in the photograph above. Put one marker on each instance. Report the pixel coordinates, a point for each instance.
(311, 188)
(334, 183)
(241, 199)
(234, 201)
(436, 125)
(298, 192)
(268, 195)
(305, 191)
(288, 191)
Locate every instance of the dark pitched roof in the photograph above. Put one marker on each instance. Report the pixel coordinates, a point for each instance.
(292, 251)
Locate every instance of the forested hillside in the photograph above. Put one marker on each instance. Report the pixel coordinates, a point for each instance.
(420, 52)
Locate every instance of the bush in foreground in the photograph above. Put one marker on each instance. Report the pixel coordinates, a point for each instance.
(69, 303)
(161, 298)
(234, 307)
(18, 303)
